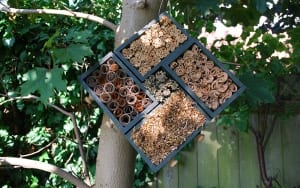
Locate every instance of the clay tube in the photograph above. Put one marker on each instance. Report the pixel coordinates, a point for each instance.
(91, 81)
(125, 119)
(98, 90)
(131, 99)
(134, 89)
(105, 97)
(113, 105)
(110, 76)
(118, 112)
(146, 102)
(104, 68)
(109, 87)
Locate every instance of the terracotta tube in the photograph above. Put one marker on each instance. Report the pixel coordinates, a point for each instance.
(139, 106)
(121, 74)
(101, 79)
(125, 119)
(110, 61)
(122, 102)
(146, 102)
(113, 105)
(129, 81)
(133, 114)
(131, 99)
(141, 96)
(91, 81)
(115, 96)
(118, 112)
(98, 90)
(114, 67)
(105, 97)
(96, 73)
(123, 91)
(134, 89)
(109, 87)
(111, 76)
(104, 68)
(118, 83)
(128, 109)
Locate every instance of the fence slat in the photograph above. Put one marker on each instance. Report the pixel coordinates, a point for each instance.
(168, 177)
(291, 151)
(228, 161)
(188, 169)
(273, 153)
(207, 158)
(249, 169)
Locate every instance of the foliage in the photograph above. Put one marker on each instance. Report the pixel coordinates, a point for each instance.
(40, 57)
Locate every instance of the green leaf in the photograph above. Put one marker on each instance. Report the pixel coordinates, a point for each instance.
(80, 36)
(38, 136)
(258, 89)
(261, 6)
(44, 82)
(73, 53)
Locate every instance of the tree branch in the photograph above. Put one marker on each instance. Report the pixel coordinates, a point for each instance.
(32, 164)
(90, 17)
(40, 150)
(76, 130)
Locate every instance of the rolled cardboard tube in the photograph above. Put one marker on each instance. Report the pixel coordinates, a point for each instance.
(114, 67)
(131, 99)
(110, 61)
(125, 119)
(111, 76)
(141, 96)
(91, 81)
(134, 89)
(121, 74)
(118, 83)
(96, 73)
(105, 97)
(139, 107)
(98, 90)
(129, 81)
(101, 79)
(133, 114)
(122, 102)
(118, 112)
(128, 109)
(104, 68)
(146, 102)
(113, 105)
(123, 91)
(115, 96)
(109, 87)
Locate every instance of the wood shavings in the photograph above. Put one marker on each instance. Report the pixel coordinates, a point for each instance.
(167, 127)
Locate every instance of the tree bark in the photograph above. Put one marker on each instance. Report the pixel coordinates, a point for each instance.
(116, 158)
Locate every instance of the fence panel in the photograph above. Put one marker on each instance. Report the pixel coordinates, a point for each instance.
(227, 158)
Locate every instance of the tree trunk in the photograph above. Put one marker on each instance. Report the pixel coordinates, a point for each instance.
(116, 158)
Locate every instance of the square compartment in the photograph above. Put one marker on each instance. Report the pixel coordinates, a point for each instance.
(117, 92)
(168, 127)
(206, 79)
(146, 50)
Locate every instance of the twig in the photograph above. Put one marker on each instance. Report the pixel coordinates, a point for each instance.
(90, 17)
(76, 130)
(40, 150)
(32, 164)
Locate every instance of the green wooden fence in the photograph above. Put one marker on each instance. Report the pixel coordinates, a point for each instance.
(227, 158)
